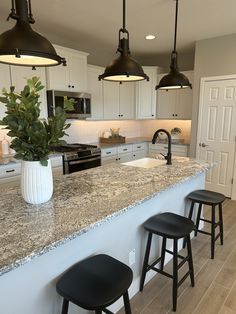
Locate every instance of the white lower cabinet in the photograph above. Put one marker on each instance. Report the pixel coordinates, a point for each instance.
(10, 173)
(176, 150)
(124, 153)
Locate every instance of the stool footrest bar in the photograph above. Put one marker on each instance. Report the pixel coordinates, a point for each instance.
(204, 232)
(183, 262)
(183, 279)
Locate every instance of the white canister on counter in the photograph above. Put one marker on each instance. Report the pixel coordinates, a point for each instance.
(5, 146)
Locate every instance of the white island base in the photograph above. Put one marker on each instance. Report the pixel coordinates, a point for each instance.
(30, 288)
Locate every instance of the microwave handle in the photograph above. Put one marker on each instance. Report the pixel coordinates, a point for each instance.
(84, 105)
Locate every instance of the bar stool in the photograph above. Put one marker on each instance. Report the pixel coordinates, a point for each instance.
(205, 197)
(96, 283)
(169, 226)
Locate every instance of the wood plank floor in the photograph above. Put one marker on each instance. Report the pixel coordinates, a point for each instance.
(215, 280)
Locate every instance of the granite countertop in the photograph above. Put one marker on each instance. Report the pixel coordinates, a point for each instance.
(81, 201)
(10, 160)
(135, 140)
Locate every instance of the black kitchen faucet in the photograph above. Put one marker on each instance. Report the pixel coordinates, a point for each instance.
(168, 156)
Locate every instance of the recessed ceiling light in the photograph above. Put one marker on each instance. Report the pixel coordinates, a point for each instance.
(150, 37)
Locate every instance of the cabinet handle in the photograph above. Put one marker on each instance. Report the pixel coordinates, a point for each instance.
(121, 115)
(12, 170)
(134, 155)
(165, 147)
(108, 153)
(116, 159)
(125, 149)
(176, 115)
(173, 115)
(73, 86)
(118, 115)
(138, 146)
(69, 86)
(119, 158)
(152, 115)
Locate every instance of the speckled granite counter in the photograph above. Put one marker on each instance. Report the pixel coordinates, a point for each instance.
(81, 202)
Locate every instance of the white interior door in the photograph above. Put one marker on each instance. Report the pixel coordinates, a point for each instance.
(217, 131)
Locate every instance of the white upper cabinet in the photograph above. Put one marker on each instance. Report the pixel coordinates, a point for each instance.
(95, 88)
(175, 104)
(5, 82)
(72, 77)
(111, 100)
(127, 100)
(19, 76)
(146, 95)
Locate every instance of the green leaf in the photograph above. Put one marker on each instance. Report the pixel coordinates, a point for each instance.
(44, 162)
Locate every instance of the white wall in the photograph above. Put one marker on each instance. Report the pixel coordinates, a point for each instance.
(213, 57)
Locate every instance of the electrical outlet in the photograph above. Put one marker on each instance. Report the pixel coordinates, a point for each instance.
(132, 257)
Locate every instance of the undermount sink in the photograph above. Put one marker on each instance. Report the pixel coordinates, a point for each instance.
(145, 163)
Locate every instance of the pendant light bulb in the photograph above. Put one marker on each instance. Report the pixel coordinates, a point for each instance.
(21, 45)
(124, 68)
(174, 79)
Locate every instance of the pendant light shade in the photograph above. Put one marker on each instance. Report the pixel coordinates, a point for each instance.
(21, 45)
(124, 68)
(174, 79)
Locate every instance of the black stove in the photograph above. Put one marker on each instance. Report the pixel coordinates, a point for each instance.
(77, 157)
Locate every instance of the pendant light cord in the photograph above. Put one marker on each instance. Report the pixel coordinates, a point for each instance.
(124, 14)
(176, 24)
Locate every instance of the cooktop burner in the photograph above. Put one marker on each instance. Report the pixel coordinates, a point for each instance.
(77, 151)
(74, 147)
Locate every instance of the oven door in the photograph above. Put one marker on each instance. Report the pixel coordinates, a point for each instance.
(78, 165)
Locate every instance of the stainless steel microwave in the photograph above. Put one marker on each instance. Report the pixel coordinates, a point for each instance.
(82, 103)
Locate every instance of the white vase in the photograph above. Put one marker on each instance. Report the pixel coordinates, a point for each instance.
(36, 182)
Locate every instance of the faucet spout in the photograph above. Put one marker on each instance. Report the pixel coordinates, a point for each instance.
(168, 156)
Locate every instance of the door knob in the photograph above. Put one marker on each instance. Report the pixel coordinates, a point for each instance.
(204, 145)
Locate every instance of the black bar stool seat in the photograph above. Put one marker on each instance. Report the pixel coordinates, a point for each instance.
(207, 197)
(95, 283)
(175, 227)
(213, 199)
(169, 225)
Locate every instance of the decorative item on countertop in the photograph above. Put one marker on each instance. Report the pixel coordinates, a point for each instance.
(114, 138)
(176, 135)
(33, 139)
(5, 150)
(162, 136)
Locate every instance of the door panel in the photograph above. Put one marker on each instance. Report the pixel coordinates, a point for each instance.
(217, 133)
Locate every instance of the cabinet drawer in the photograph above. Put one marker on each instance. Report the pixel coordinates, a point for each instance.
(124, 149)
(7, 171)
(109, 160)
(56, 161)
(138, 146)
(109, 151)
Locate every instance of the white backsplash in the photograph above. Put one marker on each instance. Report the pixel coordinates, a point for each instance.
(89, 131)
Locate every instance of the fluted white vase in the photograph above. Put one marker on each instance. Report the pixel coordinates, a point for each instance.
(36, 182)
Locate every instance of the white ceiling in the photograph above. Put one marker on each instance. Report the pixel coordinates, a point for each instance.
(92, 26)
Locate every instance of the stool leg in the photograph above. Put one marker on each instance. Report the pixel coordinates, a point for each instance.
(127, 303)
(98, 312)
(190, 260)
(213, 232)
(221, 225)
(65, 306)
(145, 262)
(190, 215)
(175, 274)
(163, 252)
(198, 218)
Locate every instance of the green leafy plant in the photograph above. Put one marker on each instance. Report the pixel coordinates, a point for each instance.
(176, 131)
(33, 138)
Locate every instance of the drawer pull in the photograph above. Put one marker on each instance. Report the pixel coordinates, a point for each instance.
(165, 147)
(138, 146)
(125, 149)
(108, 153)
(12, 170)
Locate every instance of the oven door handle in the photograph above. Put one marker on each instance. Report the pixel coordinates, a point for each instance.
(83, 161)
(84, 105)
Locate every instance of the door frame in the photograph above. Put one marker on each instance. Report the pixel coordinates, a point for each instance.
(203, 80)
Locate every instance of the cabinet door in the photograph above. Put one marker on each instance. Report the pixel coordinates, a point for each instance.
(111, 100)
(58, 76)
(166, 104)
(127, 100)
(125, 157)
(96, 90)
(109, 160)
(77, 66)
(139, 154)
(5, 82)
(19, 77)
(146, 95)
(185, 100)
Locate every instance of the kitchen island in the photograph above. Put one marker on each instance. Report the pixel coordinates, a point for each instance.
(100, 210)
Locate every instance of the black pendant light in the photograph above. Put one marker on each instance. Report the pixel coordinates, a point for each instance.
(124, 68)
(174, 79)
(21, 45)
